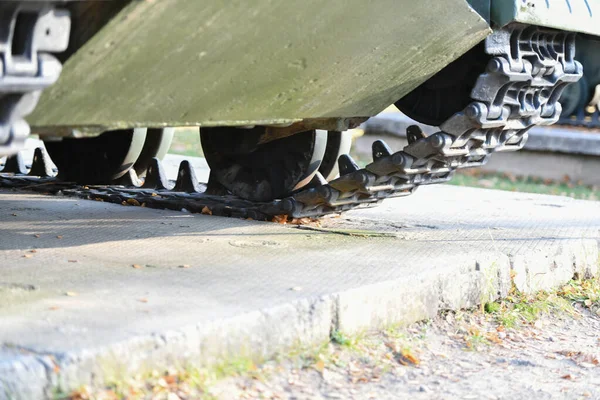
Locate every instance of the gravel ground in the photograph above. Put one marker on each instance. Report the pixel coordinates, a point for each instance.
(456, 356)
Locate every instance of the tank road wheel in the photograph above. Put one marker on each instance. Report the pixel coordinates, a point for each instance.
(158, 141)
(97, 160)
(262, 171)
(447, 92)
(338, 143)
(575, 97)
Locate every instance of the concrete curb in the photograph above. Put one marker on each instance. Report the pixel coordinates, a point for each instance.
(472, 281)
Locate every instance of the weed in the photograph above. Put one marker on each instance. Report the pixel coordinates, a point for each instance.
(491, 308)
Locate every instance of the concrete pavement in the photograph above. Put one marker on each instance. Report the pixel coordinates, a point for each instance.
(90, 290)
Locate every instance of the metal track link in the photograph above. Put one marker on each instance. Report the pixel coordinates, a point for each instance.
(527, 72)
(29, 31)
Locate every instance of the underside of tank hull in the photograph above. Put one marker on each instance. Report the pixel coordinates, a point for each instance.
(224, 63)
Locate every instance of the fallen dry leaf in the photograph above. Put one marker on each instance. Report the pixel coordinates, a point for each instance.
(567, 376)
(83, 393)
(185, 266)
(33, 251)
(143, 300)
(133, 202)
(27, 256)
(280, 219)
(320, 365)
(407, 355)
(583, 359)
(36, 236)
(71, 294)
(171, 379)
(137, 266)
(59, 236)
(493, 337)
(53, 308)
(302, 221)
(206, 210)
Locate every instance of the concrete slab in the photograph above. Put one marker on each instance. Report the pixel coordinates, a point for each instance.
(74, 310)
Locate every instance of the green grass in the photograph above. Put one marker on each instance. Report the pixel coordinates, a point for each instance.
(186, 142)
(525, 184)
(524, 309)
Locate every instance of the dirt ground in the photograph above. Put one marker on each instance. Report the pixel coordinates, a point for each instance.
(456, 356)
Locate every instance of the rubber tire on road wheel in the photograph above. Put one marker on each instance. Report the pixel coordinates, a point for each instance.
(157, 144)
(97, 160)
(338, 143)
(262, 172)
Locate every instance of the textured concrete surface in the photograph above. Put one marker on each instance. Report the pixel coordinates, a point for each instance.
(550, 152)
(76, 311)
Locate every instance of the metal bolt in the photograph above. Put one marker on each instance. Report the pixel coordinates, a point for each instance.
(494, 65)
(472, 111)
(438, 140)
(398, 158)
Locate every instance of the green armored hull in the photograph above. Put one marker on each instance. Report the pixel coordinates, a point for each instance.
(221, 62)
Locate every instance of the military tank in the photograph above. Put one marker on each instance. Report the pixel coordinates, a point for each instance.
(273, 87)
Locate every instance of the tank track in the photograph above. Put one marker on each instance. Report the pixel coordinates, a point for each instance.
(29, 32)
(527, 72)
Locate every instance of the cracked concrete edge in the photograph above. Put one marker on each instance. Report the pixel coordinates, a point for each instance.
(475, 279)
(23, 376)
(538, 270)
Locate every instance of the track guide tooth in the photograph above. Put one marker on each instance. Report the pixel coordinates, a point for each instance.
(347, 165)
(414, 133)
(380, 149)
(317, 181)
(214, 187)
(15, 165)
(41, 165)
(186, 179)
(156, 178)
(130, 179)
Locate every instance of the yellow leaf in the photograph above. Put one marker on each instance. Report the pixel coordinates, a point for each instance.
(206, 210)
(281, 219)
(410, 357)
(320, 365)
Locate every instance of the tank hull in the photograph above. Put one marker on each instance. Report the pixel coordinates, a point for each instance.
(233, 63)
